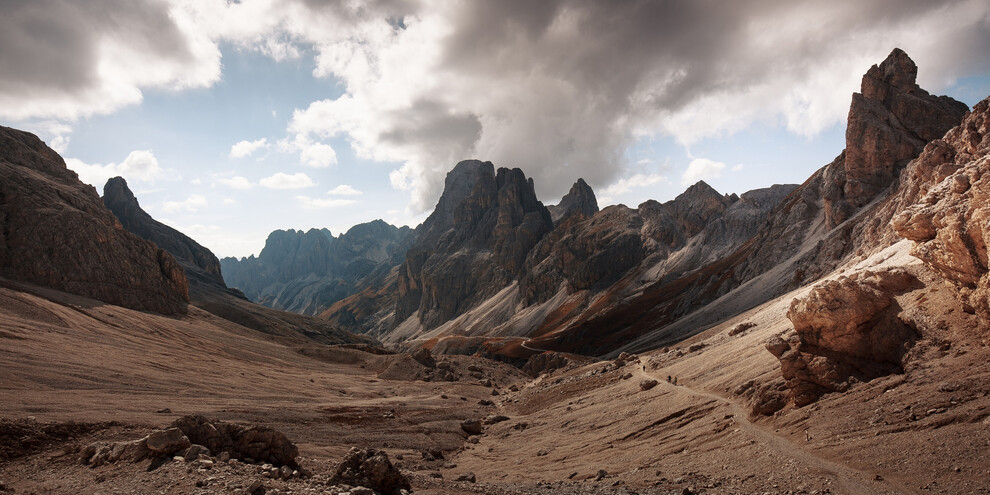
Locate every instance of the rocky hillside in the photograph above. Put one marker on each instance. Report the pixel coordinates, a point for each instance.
(57, 233)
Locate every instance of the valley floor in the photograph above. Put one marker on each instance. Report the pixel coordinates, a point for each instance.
(75, 371)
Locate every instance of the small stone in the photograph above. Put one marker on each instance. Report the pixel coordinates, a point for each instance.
(647, 384)
(513, 388)
(285, 473)
(601, 474)
(466, 477)
(471, 426)
(361, 490)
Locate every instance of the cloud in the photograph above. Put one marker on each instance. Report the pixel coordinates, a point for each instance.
(318, 155)
(139, 166)
(190, 204)
(701, 169)
(281, 180)
(73, 59)
(737, 167)
(308, 202)
(246, 148)
(627, 184)
(236, 182)
(344, 190)
(560, 88)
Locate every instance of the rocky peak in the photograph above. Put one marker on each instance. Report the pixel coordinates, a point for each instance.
(693, 208)
(474, 243)
(468, 190)
(890, 121)
(119, 199)
(580, 200)
(896, 72)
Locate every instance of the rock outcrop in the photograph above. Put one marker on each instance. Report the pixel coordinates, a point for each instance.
(890, 121)
(307, 272)
(198, 435)
(846, 329)
(56, 232)
(121, 201)
(255, 443)
(948, 213)
(580, 200)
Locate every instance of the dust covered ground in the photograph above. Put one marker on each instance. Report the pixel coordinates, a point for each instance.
(75, 372)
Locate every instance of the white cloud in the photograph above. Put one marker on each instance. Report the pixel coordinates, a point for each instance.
(190, 204)
(627, 184)
(246, 148)
(229, 201)
(318, 155)
(281, 180)
(737, 167)
(701, 169)
(308, 202)
(344, 190)
(236, 182)
(139, 166)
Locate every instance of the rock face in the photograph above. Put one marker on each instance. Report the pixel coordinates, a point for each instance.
(371, 469)
(306, 272)
(473, 245)
(580, 200)
(948, 213)
(121, 201)
(57, 233)
(846, 328)
(890, 121)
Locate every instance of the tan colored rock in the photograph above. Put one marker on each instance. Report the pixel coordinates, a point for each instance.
(846, 330)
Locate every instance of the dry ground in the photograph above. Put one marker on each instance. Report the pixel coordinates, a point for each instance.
(82, 371)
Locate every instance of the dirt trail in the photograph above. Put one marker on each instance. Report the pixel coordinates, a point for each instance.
(849, 480)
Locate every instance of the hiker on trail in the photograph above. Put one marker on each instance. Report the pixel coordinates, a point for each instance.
(675, 380)
(668, 378)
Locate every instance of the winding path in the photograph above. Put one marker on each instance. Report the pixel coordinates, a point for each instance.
(847, 479)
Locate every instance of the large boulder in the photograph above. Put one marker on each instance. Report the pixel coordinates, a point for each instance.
(370, 468)
(259, 443)
(845, 330)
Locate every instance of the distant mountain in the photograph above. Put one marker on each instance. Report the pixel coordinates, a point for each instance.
(57, 233)
(306, 272)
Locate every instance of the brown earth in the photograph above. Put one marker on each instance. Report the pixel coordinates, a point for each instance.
(77, 371)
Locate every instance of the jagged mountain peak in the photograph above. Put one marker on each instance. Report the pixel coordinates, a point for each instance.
(897, 70)
(580, 200)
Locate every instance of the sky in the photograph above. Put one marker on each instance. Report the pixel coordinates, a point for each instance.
(230, 119)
